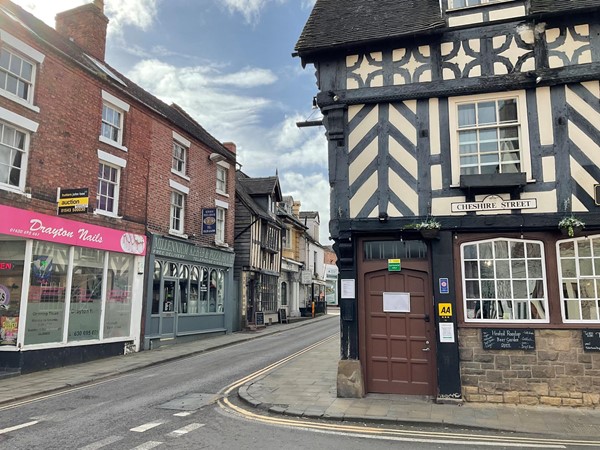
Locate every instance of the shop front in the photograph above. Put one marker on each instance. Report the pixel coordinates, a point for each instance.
(190, 292)
(70, 292)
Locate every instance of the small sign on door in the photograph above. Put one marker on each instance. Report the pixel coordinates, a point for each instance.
(396, 302)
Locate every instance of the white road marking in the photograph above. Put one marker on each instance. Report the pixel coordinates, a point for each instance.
(184, 414)
(103, 443)
(186, 429)
(146, 427)
(18, 427)
(148, 445)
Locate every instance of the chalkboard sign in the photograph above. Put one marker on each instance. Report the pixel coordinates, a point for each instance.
(259, 318)
(591, 340)
(508, 339)
(283, 316)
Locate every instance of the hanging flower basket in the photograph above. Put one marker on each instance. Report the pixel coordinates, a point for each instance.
(571, 226)
(429, 229)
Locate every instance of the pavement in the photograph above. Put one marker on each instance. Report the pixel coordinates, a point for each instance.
(306, 387)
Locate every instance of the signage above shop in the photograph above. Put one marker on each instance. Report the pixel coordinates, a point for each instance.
(494, 203)
(209, 220)
(6, 266)
(73, 201)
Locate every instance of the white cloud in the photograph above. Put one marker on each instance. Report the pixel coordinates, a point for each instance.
(136, 13)
(250, 9)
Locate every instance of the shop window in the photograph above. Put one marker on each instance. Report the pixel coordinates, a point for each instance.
(194, 291)
(204, 277)
(579, 274)
(119, 285)
(220, 291)
(47, 293)
(14, 145)
(12, 255)
(86, 294)
(156, 287)
(268, 293)
(504, 280)
(184, 289)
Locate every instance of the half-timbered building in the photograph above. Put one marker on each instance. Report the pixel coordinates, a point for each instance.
(257, 243)
(477, 121)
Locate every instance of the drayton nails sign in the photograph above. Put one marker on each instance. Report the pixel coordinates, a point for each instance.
(494, 203)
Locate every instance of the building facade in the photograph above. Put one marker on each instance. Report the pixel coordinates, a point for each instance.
(100, 186)
(462, 136)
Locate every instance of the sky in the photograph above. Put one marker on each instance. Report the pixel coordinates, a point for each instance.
(228, 63)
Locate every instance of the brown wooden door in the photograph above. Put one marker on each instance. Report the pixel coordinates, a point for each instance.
(400, 347)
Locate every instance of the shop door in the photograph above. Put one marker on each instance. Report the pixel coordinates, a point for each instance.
(400, 346)
(170, 300)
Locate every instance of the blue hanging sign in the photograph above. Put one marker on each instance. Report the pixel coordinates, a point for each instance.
(209, 220)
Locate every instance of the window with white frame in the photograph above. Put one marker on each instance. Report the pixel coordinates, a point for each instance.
(489, 134)
(221, 179)
(14, 145)
(113, 119)
(177, 212)
(18, 63)
(220, 235)
(107, 197)
(504, 280)
(465, 3)
(16, 74)
(579, 274)
(287, 238)
(179, 158)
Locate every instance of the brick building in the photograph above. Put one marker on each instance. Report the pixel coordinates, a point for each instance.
(73, 131)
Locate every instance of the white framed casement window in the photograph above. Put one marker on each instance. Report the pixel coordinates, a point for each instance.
(18, 66)
(489, 134)
(113, 119)
(504, 281)
(579, 276)
(287, 238)
(109, 183)
(222, 172)
(14, 150)
(181, 153)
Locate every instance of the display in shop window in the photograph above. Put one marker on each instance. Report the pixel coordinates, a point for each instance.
(9, 328)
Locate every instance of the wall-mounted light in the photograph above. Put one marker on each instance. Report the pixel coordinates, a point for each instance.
(216, 157)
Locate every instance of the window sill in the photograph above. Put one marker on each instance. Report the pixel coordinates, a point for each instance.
(112, 143)
(14, 190)
(19, 100)
(178, 234)
(222, 244)
(100, 212)
(224, 194)
(180, 174)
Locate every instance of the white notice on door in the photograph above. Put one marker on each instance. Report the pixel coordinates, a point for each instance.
(396, 302)
(447, 332)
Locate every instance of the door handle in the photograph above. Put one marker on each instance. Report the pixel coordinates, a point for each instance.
(426, 318)
(426, 349)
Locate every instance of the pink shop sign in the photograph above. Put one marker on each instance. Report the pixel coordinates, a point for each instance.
(31, 225)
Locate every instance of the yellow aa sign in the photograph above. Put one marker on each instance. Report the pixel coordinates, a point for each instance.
(445, 309)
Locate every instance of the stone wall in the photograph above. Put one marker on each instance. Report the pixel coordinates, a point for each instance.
(558, 372)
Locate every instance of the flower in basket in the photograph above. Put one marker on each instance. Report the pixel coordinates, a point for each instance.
(570, 224)
(428, 224)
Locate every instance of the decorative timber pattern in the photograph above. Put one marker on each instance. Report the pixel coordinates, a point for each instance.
(383, 163)
(583, 109)
(412, 66)
(364, 70)
(461, 59)
(568, 46)
(513, 53)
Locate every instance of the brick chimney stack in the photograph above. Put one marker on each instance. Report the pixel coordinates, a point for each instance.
(230, 146)
(86, 26)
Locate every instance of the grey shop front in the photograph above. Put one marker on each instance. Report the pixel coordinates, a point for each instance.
(190, 291)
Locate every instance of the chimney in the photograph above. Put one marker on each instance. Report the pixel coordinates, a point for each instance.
(296, 208)
(230, 146)
(86, 26)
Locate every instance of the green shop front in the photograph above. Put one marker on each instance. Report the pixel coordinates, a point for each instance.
(70, 291)
(190, 292)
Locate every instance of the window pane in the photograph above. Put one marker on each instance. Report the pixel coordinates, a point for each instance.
(534, 269)
(488, 289)
(517, 249)
(518, 269)
(567, 249)
(502, 269)
(466, 115)
(504, 289)
(568, 268)
(470, 251)
(533, 251)
(585, 267)
(472, 288)
(485, 251)
(471, 269)
(584, 248)
(486, 113)
(520, 289)
(507, 110)
(501, 249)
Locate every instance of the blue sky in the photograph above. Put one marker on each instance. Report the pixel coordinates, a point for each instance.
(228, 63)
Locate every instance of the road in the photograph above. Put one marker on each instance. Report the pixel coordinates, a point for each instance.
(179, 405)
